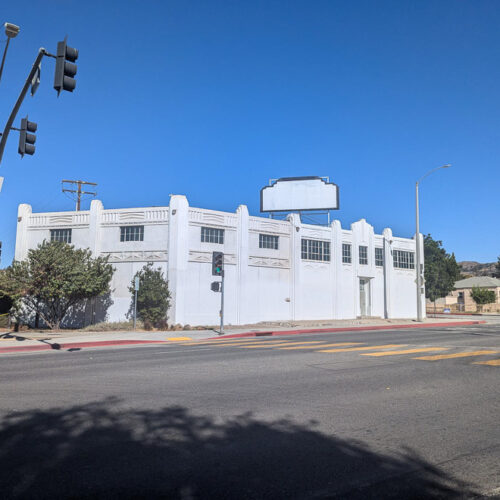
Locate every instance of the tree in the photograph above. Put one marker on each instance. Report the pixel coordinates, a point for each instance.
(441, 269)
(497, 271)
(482, 296)
(153, 297)
(55, 278)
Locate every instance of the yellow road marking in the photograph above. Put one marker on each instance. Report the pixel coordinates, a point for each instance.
(273, 344)
(218, 342)
(405, 351)
(493, 362)
(326, 345)
(173, 339)
(456, 355)
(370, 348)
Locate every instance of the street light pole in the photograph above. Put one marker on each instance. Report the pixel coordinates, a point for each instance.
(11, 30)
(419, 277)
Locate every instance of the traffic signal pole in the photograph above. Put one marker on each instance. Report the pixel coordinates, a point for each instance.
(221, 332)
(41, 52)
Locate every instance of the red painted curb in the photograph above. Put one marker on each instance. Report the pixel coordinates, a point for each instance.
(75, 345)
(345, 329)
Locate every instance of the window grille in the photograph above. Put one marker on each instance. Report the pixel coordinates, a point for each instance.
(132, 233)
(363, 255)
(212, 235)
(316, 250)
(63, 235)
(379, 257)
(403, 259)
(346, 253)
(268, 241)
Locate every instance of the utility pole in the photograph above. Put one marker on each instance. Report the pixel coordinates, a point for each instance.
(78, 191)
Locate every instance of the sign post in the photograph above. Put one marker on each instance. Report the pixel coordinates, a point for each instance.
(136, 289)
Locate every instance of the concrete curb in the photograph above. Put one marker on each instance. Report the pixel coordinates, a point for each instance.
(76, 345)
(344, 329)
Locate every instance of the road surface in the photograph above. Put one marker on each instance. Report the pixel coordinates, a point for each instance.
(382, 414)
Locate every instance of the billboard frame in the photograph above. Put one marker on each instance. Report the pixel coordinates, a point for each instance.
(305, 178)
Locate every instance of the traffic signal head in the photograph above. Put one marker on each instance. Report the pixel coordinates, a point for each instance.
(65, 69)
(27, 140)
(217, 263)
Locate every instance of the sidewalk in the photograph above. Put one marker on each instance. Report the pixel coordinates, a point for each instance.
(68, 340)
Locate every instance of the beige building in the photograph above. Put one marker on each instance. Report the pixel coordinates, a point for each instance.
(460, 299)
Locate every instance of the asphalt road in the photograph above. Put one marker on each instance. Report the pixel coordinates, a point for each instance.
(258, 418)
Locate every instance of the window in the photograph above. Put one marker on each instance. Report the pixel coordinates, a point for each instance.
(268, 241)
(63, 235)
(132, 233)
(316, 250)
(379, 257)
(403, 260)
(363, 255)
(346, 253)
(212, 235)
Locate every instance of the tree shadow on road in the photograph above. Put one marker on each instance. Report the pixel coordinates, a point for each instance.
(100, 450)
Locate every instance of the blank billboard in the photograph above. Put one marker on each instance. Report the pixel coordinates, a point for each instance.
(298, 194)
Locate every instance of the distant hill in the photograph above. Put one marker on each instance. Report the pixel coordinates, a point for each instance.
(472, 268)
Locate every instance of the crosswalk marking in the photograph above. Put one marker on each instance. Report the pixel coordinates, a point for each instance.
(492, 362)
(369, 348)
(406, 351)
(316, 346)
(220, 342)
(456, 355)
(280, 343)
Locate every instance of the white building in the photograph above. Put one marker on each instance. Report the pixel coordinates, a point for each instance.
(274, 270)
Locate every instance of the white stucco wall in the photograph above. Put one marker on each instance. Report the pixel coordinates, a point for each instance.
(260, 284)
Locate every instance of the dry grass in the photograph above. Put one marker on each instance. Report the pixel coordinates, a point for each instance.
(117, 326)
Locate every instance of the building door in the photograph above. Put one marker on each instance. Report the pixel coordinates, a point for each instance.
(364, 297)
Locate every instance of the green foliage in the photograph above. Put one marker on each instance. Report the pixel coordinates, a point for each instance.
(497, 271)
(482, 296)
(441, 269)
(54, 278)
(153, 297)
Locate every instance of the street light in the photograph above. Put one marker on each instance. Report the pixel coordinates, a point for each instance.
(11, 30)
(417, 240)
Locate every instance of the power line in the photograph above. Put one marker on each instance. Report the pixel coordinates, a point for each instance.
(78, 191)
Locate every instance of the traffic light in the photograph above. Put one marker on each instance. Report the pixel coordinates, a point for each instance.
(65, 71)
(217, 263)
(215, 286)
(27, 140)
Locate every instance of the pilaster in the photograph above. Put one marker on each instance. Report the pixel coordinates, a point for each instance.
(242, 251)
(23, 214)
(178, 253)
(295, 264)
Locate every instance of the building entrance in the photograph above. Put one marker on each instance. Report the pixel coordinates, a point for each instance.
(364, 297)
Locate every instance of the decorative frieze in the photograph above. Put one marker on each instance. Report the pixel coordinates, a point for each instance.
(202, 257)
(268, 262)
(137, 256)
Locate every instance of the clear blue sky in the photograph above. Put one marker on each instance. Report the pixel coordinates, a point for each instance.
(212, 98)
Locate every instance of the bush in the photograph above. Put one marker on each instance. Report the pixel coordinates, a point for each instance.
(153, 297)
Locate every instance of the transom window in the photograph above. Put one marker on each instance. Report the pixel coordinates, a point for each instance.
(379, 257)
(212, 235)
(63, 235)
(403, 259)
(268, 241)
(346, 253)
(132, 233)
(316, 250)
(363, 255)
